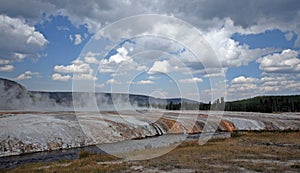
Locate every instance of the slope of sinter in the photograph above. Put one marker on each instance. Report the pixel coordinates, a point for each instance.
(25, 132)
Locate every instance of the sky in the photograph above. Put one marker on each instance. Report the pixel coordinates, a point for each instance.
(192, 49)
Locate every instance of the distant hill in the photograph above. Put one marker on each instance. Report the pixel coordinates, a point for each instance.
(11, 94)
(14, 96)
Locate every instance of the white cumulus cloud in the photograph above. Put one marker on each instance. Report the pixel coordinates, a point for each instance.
(7, 68)
(90, 58)
(113, 81)
(284, 62)
(230, 52)
(121, 56)
(79, 70)
(145, 82)
(59, 77)
(160, 67)
(19, 40)
(27, 75)
(243, 79)
(192, 80)
(76, 39)
(119, 62)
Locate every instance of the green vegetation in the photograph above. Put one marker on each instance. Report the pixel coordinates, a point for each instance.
(183, 106)
(265, 104)
(84, 154)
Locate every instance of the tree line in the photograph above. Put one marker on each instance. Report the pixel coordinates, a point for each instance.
(265, 104)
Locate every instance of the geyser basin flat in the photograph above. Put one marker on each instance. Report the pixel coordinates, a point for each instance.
(25, 132)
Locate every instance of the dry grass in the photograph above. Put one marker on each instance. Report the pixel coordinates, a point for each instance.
(258, 152)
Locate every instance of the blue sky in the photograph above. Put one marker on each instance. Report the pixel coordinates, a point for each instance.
(258, 49)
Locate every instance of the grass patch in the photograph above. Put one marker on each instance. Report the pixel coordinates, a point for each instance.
(236, 134)
(84, 154)
(296, 166)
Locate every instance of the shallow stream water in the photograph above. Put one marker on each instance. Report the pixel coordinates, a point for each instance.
(119, 147)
